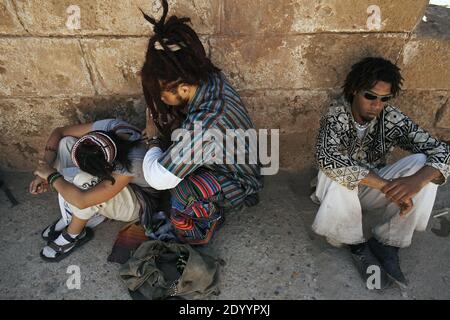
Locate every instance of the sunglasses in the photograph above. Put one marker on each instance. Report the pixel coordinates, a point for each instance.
(371, 96)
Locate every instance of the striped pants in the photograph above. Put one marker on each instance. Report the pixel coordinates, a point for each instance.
(199, 202)
(195, 212)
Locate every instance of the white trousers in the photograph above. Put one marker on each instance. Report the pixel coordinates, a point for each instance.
(124, 206)
(340, 214)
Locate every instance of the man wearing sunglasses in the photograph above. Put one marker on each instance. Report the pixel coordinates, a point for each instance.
(356, 135)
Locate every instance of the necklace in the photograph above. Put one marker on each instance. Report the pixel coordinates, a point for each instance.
(362, 126)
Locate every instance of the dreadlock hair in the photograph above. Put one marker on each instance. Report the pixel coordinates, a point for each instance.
(367, 72)
(92, 160)
(187, 64)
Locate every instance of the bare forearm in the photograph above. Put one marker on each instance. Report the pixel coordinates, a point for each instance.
(51, 147)
(428, 174)
(403, 189)
(372, 180)
(71, 193)
(101, 192)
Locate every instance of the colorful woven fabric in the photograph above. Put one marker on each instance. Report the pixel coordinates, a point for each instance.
(194, 214)
(202, 185)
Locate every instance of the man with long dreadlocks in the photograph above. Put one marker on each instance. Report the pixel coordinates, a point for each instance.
(356, 134)
(184, 90)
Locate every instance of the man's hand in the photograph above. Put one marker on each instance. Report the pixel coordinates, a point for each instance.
(373, 181)
(38, 186)
(405, 207)
(150, 130)
(402, 189)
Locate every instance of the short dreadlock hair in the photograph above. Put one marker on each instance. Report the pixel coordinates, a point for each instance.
(187, 64)
(367, 72)
(92, 160)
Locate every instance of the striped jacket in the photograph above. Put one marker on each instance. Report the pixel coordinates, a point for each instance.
(217, 108)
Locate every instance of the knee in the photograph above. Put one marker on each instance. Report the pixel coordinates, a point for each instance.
(417, 161)
(85, 180)
(419, 158)
(182, 192)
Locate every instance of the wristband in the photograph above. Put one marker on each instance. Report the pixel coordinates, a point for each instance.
(154, 142)
(52, 177)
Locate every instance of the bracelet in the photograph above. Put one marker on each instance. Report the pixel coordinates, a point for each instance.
(53, 181)
(52, 177)
(154, 142)
(55, 178)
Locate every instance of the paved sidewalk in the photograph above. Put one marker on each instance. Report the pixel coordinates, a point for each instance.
(269, 250)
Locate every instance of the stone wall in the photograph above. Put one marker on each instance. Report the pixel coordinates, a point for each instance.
(287, 58)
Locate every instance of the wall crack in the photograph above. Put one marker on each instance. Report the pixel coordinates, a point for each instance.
(16, 11)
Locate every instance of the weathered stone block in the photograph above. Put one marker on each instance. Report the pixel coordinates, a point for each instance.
(288, 111)
(298, 62)
(296, 114)
(110, 17)
(425, 64)
(115, 64)
(304, 16)
(443, 116)
(9, 24)
(297, 150)
(42, 67)
(426, 57)
(27, 123)
(422, 106)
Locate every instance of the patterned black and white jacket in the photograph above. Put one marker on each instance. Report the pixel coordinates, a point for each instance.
(347, 160)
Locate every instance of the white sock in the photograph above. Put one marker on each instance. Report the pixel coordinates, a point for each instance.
(60, 241)
(60, 225)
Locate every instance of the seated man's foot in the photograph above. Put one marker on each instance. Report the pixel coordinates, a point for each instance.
(388, 256)
(65, 244)
(53, 231)
(364, 261)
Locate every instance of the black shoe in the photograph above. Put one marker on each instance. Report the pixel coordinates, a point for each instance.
(388, 256)
(364, 261)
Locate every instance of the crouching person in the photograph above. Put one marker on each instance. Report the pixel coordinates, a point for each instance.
(96, 168)
(184, 90)
(356, 134)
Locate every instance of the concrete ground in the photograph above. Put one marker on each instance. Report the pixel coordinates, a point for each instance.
(269, 250)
